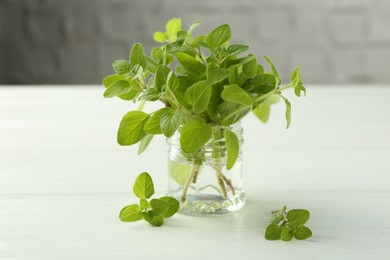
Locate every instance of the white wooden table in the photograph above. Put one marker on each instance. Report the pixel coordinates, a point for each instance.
(63, 180)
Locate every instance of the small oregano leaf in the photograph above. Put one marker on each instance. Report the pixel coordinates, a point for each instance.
(119, 87)
(152, 126)
(232, 148)
(198, 95)
(219, 36)
(278, 216)
(143, 203)
(297, 217)
(143, 187)
(302, 232)
(131, 128)
(286, 234)
(273, 232)
(157, 221)
(130, 213)
(144, 143)
(194, 135)
(158, 206)
(121, 66)
(236, 94)
(137, 55)
(173, 206)
(288, 112)
(169, 123)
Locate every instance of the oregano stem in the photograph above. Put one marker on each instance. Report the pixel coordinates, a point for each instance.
(195, 170)
(221, 184)
(273, 92)
(225, 179)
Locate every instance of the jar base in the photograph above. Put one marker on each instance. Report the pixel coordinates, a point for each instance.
(211, 205)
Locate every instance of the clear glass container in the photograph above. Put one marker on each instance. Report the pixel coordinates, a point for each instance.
(201, 181)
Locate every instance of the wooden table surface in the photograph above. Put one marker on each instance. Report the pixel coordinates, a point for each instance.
(63, 180)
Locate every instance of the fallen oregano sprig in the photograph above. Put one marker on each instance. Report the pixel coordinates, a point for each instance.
(286, 225)
(153, 211)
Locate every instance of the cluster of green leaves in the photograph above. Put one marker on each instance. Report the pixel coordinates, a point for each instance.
(212, 84)
(153, 211)
(286, 225)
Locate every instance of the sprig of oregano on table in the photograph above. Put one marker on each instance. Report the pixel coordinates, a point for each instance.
(286, 225)
(153, 211)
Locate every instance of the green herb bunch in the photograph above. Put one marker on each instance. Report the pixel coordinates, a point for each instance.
(202, 81)
(286, 225)
(153, 211)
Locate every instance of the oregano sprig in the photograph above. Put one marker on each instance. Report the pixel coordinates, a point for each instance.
(153, 211)
(286, 225)
(203, 82)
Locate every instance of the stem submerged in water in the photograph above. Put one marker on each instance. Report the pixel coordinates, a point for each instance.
(194, 173)
(225, 179)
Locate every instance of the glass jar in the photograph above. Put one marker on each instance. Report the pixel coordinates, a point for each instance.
(201, 181)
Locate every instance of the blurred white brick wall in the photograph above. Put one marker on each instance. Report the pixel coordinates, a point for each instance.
(74, 41)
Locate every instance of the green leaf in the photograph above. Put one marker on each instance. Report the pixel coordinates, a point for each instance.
(198, 95)
(296, 77)
(297, 217)
(193, 66)
(215, 99)
(278, 216)
(143, 187)
(250, 69)
(262, 84)
(131, 128)
(193, 26)
(288, 112)
(232, 148)
(121, 66)
(162, 73)
(157, 221)
(158, 206)
(151, 94)
(152, 126)
(169, 123)
(130, 213)
(262, 111)
(302, 232)
(219, 36)
(110, 79)
(118, 88)
(236, 94)
(286, 234)
(173, 206)
(298, 89)
(235, 77)
(231, 112)
(172, 82)
(273, 232)
(182, 35)
(159, 37)
(144, 143)
(172, 27)
(137, 55)
(216, 74)
(235, 49)
(147, 215)
(274, 71)
(144, 204)
(194, 135)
